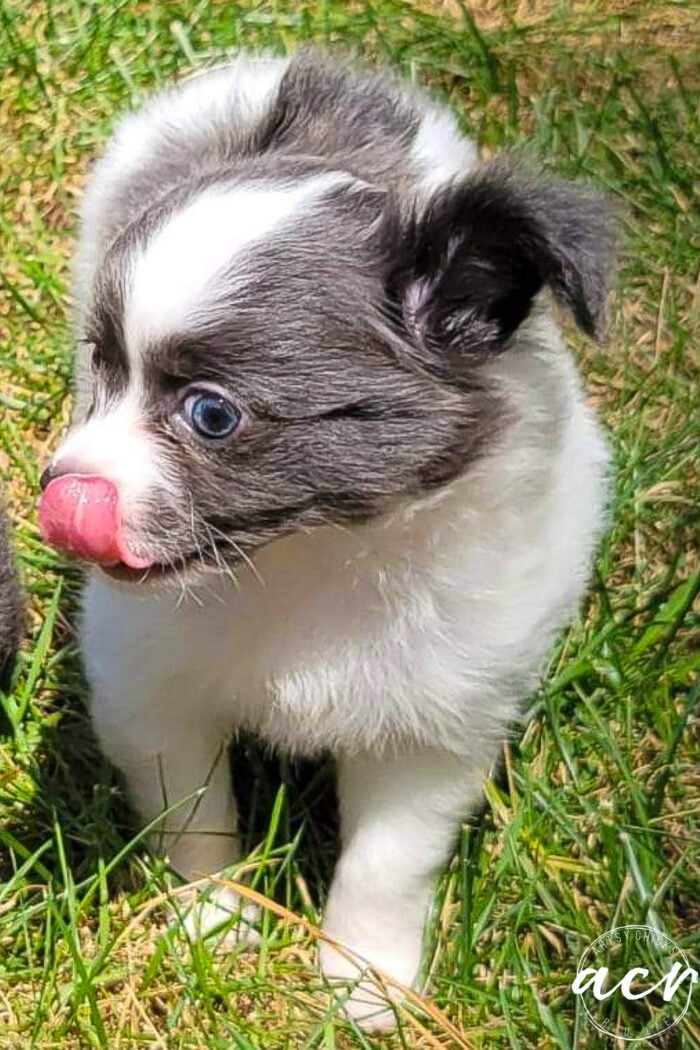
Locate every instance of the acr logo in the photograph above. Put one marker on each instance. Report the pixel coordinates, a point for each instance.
(634, 983)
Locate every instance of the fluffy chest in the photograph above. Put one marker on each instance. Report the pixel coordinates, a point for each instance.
(337, 641)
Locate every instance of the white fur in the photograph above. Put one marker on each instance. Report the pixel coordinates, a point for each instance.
(114, 444)
(441, 152)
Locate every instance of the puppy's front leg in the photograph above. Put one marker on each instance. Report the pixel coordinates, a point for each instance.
(153, 714)
(154, 708)
(180, 772)
(399, 818)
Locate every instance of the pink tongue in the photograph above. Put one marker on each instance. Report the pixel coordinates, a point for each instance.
(79, 514)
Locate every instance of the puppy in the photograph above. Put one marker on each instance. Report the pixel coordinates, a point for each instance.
(331, 464)
(10, 606)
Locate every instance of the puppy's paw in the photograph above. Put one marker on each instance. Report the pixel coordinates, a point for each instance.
(218, 916)
(370, 1001)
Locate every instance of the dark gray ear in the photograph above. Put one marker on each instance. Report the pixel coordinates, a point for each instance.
(467, 269)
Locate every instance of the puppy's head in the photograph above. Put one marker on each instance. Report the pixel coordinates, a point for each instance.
(269, 354)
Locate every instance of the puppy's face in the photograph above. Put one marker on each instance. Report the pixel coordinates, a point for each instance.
(267, 356)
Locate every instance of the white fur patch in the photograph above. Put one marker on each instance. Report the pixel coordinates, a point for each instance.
(246, 86)
(170, 278)
(116, 447)
(440, 151)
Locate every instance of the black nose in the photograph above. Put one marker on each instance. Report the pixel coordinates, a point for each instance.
(48, 475)
(66, 465)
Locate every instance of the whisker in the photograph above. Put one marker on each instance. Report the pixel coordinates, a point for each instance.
(239, 550)
(223, 566)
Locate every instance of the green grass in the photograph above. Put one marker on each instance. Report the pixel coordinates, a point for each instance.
(596, 822)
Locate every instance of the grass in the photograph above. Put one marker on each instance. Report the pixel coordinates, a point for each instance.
(596, 821)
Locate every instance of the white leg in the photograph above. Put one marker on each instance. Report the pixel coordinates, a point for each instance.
(154, 708)
(186, 783)
(399, 819)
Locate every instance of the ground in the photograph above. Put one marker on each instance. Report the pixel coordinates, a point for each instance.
(594, 822)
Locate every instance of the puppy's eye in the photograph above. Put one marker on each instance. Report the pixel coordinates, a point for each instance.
(211, 415)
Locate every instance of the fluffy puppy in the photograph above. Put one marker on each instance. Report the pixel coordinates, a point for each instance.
(331, 462)
(10, 605)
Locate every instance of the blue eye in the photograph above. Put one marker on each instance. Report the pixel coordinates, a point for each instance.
(211, 415)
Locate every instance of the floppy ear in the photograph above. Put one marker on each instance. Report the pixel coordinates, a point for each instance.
(466, 270)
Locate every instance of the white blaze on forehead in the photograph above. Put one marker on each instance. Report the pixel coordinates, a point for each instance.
(174, 271)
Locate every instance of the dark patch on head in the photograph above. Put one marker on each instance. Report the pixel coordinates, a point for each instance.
(327, 114)
(343, 420)
(470, 265)
(104, 329)
(315, 90)
(104, 335)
